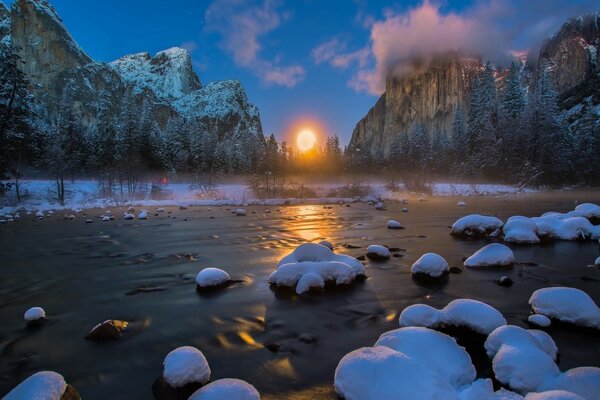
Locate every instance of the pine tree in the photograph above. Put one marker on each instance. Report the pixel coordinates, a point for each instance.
(458, 143)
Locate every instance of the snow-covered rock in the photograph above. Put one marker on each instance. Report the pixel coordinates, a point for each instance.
(473, 314)
(240, 212)
(392, 224)
(572, 228)
(211, 277)
(566, 304)
(492, 255)
(582, 381)
(588, 210)
(143, 214)
(34, 314)
(380, 206)
(39, 215)
(431, 264)
(160, 210)
(226, 389)
(185, 365)
(44, 385)
(105, 218)
(377, 252)
(476, 225)
(327, 244)
(128, 216)
(597, 262)
(539, 320)
(314, 259)
(519, 229)
(461, 204)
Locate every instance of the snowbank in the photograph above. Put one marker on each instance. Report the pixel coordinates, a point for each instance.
(473, 314)
(519, 229)
(492, 255)
(566, 304)
(431, 264)
(226, 389)
(45, 385)
(476, 225)
(310, 261)
(211, 277)
(185, 365)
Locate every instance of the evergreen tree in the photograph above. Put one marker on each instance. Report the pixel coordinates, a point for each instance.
(459, 141)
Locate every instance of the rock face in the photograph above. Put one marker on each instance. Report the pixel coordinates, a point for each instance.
(429, 96)
(572, 53)
(166, 82)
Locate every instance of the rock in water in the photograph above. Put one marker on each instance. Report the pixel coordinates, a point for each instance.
(108, 330)
(378, 253)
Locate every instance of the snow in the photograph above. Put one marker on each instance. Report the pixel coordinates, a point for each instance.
(392, 224)
(240, 212)
(461, 204)
(377, 251)
(557, 226)
(553, 395)
(519, 360)
(475, 224)
(410, 363)
(327, 244)
(597, 262)
(34, 313)
(143, 214)
(431, 264)
(539, 320)
(519, 229)
(492, 255)
(226, 389)
(185, 365)
(128, 216)
(45, 385)
(588, 210)
(320, 263)
(566, 304)
(209, 277)
(473, 314)
(583, 381)
(379, 206)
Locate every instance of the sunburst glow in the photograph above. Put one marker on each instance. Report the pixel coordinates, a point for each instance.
(306, 140)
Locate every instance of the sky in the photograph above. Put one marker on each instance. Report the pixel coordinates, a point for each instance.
(317, 62)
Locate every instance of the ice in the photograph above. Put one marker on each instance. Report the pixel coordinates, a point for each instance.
(473, 314)
(519, 229)
(185, 365)
(34, 313)
(391, 224)
(431, 264)
(44, 385)
(476, 225)
(210, 277)
(492, 255)
(226, 389)
(566, 304)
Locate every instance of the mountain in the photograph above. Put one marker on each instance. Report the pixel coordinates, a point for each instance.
(431, 96)
(59, 71)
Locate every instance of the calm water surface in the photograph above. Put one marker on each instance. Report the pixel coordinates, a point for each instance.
(82, 274)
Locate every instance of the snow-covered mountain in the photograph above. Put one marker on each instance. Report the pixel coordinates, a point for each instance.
(166, 83)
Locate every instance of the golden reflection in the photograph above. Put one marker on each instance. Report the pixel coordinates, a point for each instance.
(281, 368)
(390, 315)
(223, 341)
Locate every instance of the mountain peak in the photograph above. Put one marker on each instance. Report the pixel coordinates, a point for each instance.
(169, 74)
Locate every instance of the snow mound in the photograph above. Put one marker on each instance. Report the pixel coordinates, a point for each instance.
(566, 304)
(473, 314)
(401, 366)
(320, 263)
(492, 255)
(45, 385)
(327, 244)
(553, 395)
(143, 214)
(128, 216)
(519, 360)
(185, 365)
(583, 381)
(476, 225)
(392, 224)
(210, 277)
(226, 389)
(519, 229)
(588, 210)
(430, 264)
(539, 320)
(34, 313)
(461, 204)
(377, 252)
(597, 262)
(571, 228)
(240, 212)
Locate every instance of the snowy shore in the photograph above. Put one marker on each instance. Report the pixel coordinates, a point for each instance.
(80, 194)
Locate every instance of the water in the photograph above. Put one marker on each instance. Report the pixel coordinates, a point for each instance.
(82, 274)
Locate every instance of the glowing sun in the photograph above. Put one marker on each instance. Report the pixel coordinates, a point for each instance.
(306, 140)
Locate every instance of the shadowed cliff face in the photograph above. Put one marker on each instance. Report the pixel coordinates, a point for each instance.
(429, 96)
(53, 61)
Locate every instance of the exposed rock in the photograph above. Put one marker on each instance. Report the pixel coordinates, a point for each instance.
(108, 330)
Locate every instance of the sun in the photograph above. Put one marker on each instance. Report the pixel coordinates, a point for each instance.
(306, 140)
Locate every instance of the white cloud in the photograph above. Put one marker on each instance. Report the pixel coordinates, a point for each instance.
(242, 25)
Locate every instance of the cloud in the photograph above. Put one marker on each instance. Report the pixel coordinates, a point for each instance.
(190, 46)
(402, 42)
(242, 25)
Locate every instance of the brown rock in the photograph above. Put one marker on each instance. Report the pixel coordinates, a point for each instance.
(108, 330)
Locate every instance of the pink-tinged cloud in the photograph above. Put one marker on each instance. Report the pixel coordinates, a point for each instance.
(402, 43)
(242, 25)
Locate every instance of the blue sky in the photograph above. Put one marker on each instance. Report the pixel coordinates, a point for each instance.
(320, 59)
